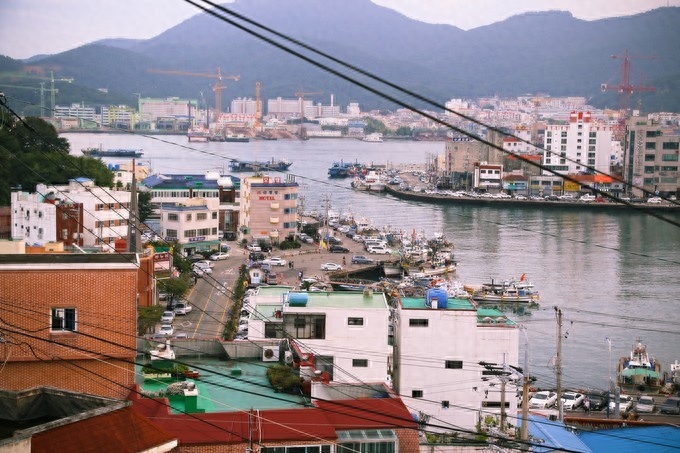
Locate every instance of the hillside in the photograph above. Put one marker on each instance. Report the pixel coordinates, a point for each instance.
(550, 52)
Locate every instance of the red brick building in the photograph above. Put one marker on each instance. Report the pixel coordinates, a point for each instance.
(69, 321)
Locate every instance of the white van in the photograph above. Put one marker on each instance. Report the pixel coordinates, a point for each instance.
(379, 250)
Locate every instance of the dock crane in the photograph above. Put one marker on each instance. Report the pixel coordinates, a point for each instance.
(217, 88)
(301, 94)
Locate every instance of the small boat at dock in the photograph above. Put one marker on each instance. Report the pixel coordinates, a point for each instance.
(510, 291)
(639, 371)
(117, 152)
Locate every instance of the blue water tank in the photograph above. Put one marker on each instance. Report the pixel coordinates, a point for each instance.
(298, 299)
(436, 298)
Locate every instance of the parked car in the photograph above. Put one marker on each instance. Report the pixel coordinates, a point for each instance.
(182, 308)
(332, 240)
(379, 250)
(331, 267)
(654, 200)
(275, 261)
(572, 400)
(272, 278)
(543, 400)
(197, 272)
(182, 336)
(338, 249)
(167, 317)
(219, 256)
(361, 259)
(625, 403)
(645, 404)
(166, 329)
(205, 263)
(670, 406)
(254, 247)
(256, 256)
(598, 399)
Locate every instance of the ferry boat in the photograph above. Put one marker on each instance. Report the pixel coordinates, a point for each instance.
(639, 371)
(340, 170)
(255, 166)
(238, 138)
(116, 152)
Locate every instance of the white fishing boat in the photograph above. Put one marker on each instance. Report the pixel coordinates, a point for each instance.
(375, 137)
(510, 291)
(639, 371)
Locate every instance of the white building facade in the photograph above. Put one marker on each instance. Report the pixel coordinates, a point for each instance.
(436, 361)
(268, 208)
(193, 224)
(579, 146)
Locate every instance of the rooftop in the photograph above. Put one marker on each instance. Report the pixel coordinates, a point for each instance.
(410, 303)
(225, 386)
(345, 299)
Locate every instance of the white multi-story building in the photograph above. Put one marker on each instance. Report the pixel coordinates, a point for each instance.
(437, 353)
(87, 116)
(289, 108)
(342, 333)
(244, 106)
(578, 146)
(151, 109)
(100, 216)
(192, 224)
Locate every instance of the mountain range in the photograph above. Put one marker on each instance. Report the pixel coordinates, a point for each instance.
(545, 52)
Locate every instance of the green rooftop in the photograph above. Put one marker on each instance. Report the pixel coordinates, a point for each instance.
(224, 386)
(345, 299)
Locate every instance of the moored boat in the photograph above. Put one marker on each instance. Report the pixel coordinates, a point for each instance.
(237, 138)
(117, 152)
(639, 371)
(255, 166)
(199, 135)
(375, 137)
(510, 291)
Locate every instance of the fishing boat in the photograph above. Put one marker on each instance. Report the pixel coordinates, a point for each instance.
(115, 152)
(256, 166)
(639, 371)
(675, 373)
(340, 170)
(510, 291)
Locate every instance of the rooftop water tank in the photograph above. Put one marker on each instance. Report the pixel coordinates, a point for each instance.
(436, 298)
(298, 299)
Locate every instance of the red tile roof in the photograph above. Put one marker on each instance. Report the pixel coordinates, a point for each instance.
(367, 413)
(119, 431)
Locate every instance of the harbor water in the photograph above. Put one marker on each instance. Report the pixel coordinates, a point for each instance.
(613, 274)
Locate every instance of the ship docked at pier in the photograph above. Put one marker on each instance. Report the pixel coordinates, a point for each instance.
(258, 166)
(114, 152)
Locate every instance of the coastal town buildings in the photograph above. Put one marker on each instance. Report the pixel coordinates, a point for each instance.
(191, 223)
(79, 213)
(220, 192)
(651, 154)
(268, 208)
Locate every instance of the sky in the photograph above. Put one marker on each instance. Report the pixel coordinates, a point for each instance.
(33, 27)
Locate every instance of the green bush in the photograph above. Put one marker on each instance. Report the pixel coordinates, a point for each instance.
(287, 245)
(283, 379)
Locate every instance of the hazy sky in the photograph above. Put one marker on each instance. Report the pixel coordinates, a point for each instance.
(32, 27)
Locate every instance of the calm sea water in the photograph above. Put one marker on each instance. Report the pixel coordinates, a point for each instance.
(612, 274)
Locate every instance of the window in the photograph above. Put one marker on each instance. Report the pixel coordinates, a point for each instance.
(362, 363)
(63, 320)
(453, 364)
(670, 145)
(649, 169)
(171, 234)
(418, 322)
(649, 157)
(202, 216)
(355, 321)
(214, 215)
(650, 145)
(416, 393)
(298, 449)
(445, 404)
(669, 157)
(188, 217)
(173, 217)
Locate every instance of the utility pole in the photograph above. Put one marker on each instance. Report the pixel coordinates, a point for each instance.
(558, 366)
(524, 431)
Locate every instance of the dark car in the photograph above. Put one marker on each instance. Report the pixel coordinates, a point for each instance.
(361, 259)
(670, 406)
(256, 256)
(598, 399)
(333, 240)
(338, 249)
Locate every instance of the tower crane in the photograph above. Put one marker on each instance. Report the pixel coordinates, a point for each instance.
(217, 88)
(52, 90)
(625, 88)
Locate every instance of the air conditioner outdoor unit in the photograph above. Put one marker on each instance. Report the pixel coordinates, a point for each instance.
(270, 354)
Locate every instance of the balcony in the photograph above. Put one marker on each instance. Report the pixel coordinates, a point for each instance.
(274, 205)
(274, 220)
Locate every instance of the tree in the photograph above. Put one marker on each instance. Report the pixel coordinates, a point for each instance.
(144, 205)
(175, 287)
(31, 152)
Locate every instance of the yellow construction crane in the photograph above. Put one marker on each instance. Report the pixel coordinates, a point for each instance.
(217, 88)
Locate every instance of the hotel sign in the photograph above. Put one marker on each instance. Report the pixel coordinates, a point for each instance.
(197, 239)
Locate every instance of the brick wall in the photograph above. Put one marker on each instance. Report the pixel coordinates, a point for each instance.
(105, 301)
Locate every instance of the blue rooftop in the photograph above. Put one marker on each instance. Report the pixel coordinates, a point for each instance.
(633, 439)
